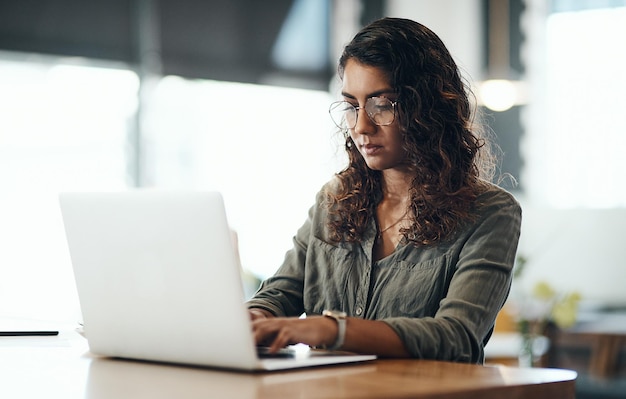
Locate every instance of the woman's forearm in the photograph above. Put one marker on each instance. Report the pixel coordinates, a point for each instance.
(373, 336)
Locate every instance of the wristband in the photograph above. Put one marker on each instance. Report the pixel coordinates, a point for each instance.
(340, 318)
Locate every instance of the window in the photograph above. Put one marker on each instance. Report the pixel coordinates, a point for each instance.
(267, 149)
(67, 127)
(576, 134)
(63, 127)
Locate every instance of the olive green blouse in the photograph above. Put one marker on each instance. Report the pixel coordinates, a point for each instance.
(441, 300)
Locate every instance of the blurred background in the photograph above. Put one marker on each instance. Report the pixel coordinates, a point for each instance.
(233, 96)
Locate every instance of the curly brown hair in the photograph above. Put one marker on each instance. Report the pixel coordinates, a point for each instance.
(447, 156)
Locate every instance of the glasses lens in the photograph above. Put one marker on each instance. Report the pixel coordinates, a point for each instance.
(343, 114)
(381, 110)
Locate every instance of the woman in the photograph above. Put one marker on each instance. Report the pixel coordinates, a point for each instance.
(408, 252)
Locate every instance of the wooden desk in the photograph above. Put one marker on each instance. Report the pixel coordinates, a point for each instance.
(61, 367)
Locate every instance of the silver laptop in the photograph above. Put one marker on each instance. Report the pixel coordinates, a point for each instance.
(158, 279)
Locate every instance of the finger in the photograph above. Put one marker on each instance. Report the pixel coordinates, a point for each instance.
(265, 331)
(275, 333)
(282, 339)
(256, 315)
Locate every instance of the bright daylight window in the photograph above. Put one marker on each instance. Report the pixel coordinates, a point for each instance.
(66, 127)
(576, 146)
(63, 127)
(267, 149)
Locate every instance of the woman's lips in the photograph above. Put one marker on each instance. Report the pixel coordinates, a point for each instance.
(371, 149)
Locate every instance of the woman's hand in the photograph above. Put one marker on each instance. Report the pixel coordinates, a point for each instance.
(256, 314)
(362, 336)
(278, 332)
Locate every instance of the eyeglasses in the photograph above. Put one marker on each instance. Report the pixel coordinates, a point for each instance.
(380, 110)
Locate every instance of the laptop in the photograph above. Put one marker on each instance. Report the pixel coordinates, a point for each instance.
(158, 280)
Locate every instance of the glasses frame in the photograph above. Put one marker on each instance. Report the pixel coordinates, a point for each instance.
(357, 108)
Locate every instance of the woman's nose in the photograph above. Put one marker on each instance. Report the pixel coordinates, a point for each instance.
(364, 124)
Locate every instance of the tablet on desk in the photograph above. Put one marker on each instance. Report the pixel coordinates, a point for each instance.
(23, 333)
(20, 327)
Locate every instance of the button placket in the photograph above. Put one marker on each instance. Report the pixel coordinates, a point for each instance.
(362, 294)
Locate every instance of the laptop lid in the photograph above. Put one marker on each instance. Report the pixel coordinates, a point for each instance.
(158, 279)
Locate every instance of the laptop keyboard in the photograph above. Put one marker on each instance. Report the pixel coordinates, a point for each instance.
(264, 353)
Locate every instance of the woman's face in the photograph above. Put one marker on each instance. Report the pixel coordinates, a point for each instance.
(380, 146)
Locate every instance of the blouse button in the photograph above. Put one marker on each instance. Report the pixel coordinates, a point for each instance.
(359, 310)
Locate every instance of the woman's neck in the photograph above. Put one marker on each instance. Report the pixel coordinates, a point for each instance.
(395, 187)
(392, 212)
